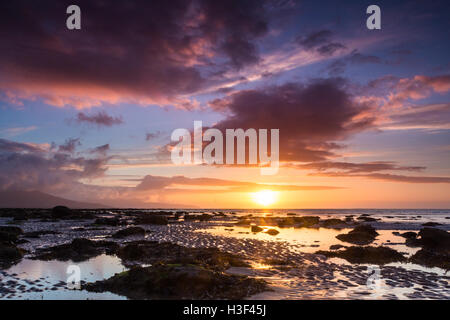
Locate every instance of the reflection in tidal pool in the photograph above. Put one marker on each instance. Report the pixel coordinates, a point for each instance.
(38, 279)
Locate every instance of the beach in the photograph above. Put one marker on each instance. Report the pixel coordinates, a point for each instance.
(249, 254)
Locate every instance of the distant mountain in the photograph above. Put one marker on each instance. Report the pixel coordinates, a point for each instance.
(37, 199)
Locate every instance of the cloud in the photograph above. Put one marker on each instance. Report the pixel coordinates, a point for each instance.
(408, 179)
(29, 167)
(101, 118)
(70, 145)
(101, 149)
(416, 88)
(157, 57)
(12, 132)
(391, 177)
(349, 167)
(12, 146)
(152, 135)
(354, 58)
(320, 41)
(369, 170)
(150, 182)
(427, 117)
(311, 116)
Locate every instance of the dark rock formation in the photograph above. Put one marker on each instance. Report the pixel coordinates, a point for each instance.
(178, 282)
(78, 250)
(373, 255)
(361, 235)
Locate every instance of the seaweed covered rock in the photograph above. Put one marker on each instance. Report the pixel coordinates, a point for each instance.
(20, 215)
(431, 259)
(60, 212)
(78, 250)
(327, 223)
(9, 234)
(64, 213)
(130, 231)
(198, 217)
(435, 250)
(360, 235)
(151, 252)
(373, 255)
(9, 255)
(256, 229)
(178, 282)
(152, 219)
(435, 239)
(113, 222)
(306, 221)
(272, 232)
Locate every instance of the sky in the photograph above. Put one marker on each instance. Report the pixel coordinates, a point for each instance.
(364, 115)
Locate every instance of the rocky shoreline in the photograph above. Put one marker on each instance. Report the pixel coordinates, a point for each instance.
(167, 250)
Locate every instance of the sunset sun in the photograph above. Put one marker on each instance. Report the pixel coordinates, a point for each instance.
(265, 197)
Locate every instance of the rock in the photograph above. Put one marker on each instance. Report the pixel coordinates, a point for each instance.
(435, 240)
(431, 224)
(9, 234)
(199, 217)
(372, 255)
(20, 215)
(131, 231)
(151, 252)
(299, 222)
(366, 218)
(152, 219)
(108, 221)
(9, 255)
(37, 234)
(256, 229)
(78, 250)
(59, 212)
(272, 232)
(331, 222)
(409, 235)
(360, 235)
(243, 222)
(178, 282)
(11, 229)
(306, 221)
(430, 258)
(336, 247)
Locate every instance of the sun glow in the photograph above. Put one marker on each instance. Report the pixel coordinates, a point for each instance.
(265, 197)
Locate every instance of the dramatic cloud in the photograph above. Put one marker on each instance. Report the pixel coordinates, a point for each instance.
(321, 41)
(70, 145)
(311, 116)
(12, 132)
(392, 177)
(101, 149)
(27, 167)
(146, 52)
(416, 88)
(159, 183)
(350, 167)
(354, 58)
(152, 135)
(100, 118)
(434, 116)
